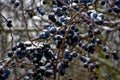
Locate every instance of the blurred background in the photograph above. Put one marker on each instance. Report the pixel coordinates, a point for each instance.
(36, 24)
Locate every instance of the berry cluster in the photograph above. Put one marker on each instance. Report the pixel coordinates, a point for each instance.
(43, 60)
(114, 6)
(45, 34)
(4, 74)
(16, 3)
(89, 63)
(9, 23)
(95, 17)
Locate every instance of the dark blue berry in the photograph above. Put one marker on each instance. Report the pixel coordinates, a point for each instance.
(107, 56)
(66, 54)
(21, 44)
(66, 1)
(6, 72)
(58, 23)
(90, 33)
(76, 1)
(109, 10)
(52, 17)
(76, 29)
(12, 1)
(47, 32)
(16, 4)
(91, 66)
(102, 3)
(102, 16)
(40, 10)
(43, 36)
(70, 57)
(83, 59)
(1, 72)
(86, 1)
(116, 10)
(48, 73)
(44, 2)
(14, 48)
(99, 22)
(76, 8)
(97, 31)
(9, 54)
(22, 66)
(95, 15)
(91, 27)
(9, 23)
(91, 47)
(98, 41)
(64, 8)
(53, 30)
(75, 54)
(62, 19)
(115, 55)
(104, 49)
(80, 44)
